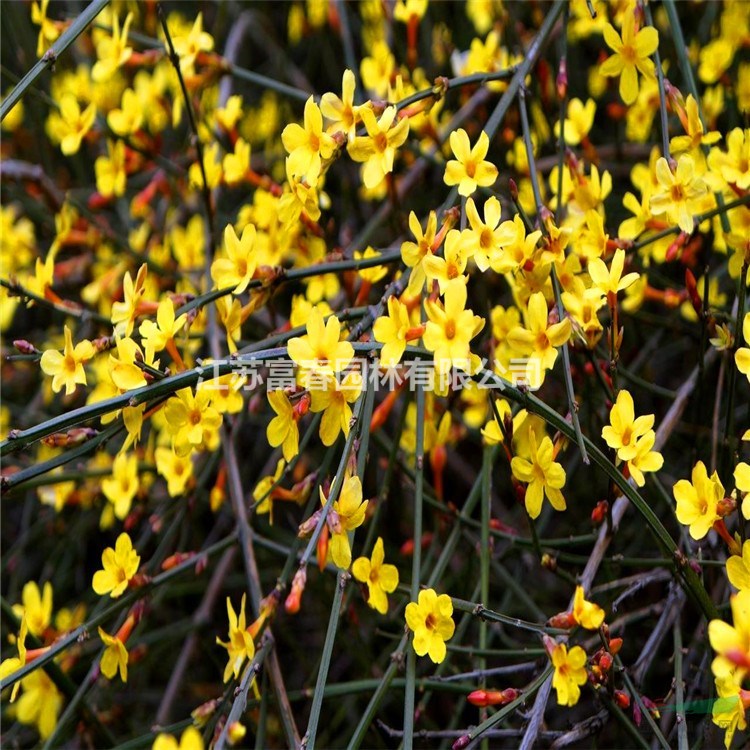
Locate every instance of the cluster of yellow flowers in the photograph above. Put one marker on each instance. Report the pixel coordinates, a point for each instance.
(169, 271)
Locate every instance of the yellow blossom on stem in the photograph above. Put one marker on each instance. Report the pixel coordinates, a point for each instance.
(120, 565)
(282, 430)
(430, 619)
(112, 51)
(624, 429)
(128, 119)
(347, 513)
(333, 397)
(343, 113)
(192, 420)
(538, 340)
(543, 474)
(742, 483)
(452, 265)
(732, 642)
(632, 53)
(14, 663)
(694, 129)
(124, 313)
(239, 644)
(49, 30)
(587, 614)
(320, 349)
(381, 578)
(115, 656)
(742, 355)
(237, 164)
(578, 121)
(450, 328)
(262, 494)
(610, 281)
(307, 145)
(413, 253)
(469, 170)
(570, 672)
(36, 607)
(158, 335)
(698, 500)
(738, 568)
(110, 171)
(236, 269)
(188, 46)
(123, 370)
(177, 470)
(122, 486)
(378, 148)
(190, 740)
(66, 368)
(69, 126)
(679, 193)
(40, 703)
(484, 239)
(393, 331)
(645, 459)
(301, 196)
(729, 708)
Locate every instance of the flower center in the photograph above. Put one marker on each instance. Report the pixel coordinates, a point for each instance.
(485, 239)
(450, 329)
(430, 622)
(314, 142)
(628, 53)
(381, 142)
(471, 168)
(195, 417)
(69, 364)
(677, 193)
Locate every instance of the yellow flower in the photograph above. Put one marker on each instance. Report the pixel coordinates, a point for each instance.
(301, 196)
(610, 281)
(211, 165)
(517, 250)
(485, 239)
(237, 268)
(237, 164)
(694, 129)
(124, 313)
(678, 194)
(469, 170)
(391, 331)
(40, 703)
(333, 398)
(631, 53)
(624, 429)
(263, 490)
(729, 708)
(157, 335)
(714, 59)
(738, 568)
(431, 621)
(69, 126)
(320, 350)
(587, 614)
(66, 368)
(543, 474)
(347, 513)
(120, 565)
(413, 253)
(578, 122)
(645, 459)
(452, 265)
(114, 658)
(570, 673)
(122, 369)
(381, 579)
(342, 113)
(450, 328)
(376, 70)
(732, 642)
(697, 500)
(405, 10)
(742, 355)
(128, 119)
(110, 170)
(282, 429)
(734, 165)
(112, 52)
(240, 644)
(122, 486)
(177, 470)
(48, 29)
(187, 46)
(307, 145)
(190, 740)
(538, 340)
(36, 607)
(378, 148)
(742, 481)
(191, 420)
(14, 663)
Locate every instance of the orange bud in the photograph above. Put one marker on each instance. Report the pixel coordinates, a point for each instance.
(175, 559)
(564, 621)
(622, 699)
(294, 600)
(615, 644)
(322, 547)
(484, 698)
(605, 662)
(600, 512)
